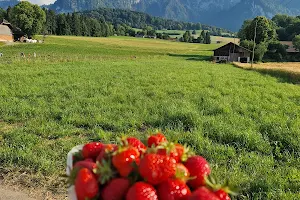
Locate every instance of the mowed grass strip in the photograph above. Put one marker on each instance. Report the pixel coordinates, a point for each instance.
(246, 124)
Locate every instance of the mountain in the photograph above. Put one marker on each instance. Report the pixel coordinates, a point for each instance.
(234, 17)
(5, 3)
(228, 14)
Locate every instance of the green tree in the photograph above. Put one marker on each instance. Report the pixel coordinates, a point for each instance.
(203, 35)
(63, 27)
(296, 42)
(30, 18)
(194, 32)
(8, 14)
(265, 30)
(207, 38)
(187, 37)
(242, 32)
(95, 28)
(2, 13)
(260, 49)
(76, 26)
(51, 22)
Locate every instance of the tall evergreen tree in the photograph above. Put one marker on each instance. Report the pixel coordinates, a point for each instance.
(207, 38)
(76, 26)
(51, 22)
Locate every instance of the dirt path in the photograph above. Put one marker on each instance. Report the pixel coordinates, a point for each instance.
(11, 194)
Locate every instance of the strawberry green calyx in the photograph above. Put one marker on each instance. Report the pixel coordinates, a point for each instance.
(187, 153)
(212, 183)
(168, 146)
(105, 171)
(73, 175)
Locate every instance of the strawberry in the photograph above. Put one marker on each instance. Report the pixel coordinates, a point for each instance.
(124, 158)
(116, 189)
(168, 149)
(156, 168)
(155, 140)
(104, 171)
(177, 151)
(90, 164)
(182, 172)
(137, 144)
(86, 186)
(222, 194)
(203, 193)
(92, 150)
(106, 151)
(141, 191)
(198, 168)
(173, 189)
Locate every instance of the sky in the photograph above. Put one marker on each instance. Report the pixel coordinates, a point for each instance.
(41, 2)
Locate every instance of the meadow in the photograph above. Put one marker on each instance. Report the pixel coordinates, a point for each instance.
(214, 39)
(78, 89)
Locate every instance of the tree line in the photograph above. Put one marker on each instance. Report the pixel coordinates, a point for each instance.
(204, 37)
(142, 20)
(268, 34)
(102, 22)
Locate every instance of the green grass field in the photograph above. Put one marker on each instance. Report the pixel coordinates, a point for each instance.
(214, 39)
(81, 89)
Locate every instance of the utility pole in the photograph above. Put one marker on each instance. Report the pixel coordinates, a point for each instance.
(254, 44)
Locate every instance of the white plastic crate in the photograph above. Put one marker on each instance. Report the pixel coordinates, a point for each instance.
(71, 190)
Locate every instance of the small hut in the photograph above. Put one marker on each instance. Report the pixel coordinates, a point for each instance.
(6, 34)
(232, 53)
(15, 32)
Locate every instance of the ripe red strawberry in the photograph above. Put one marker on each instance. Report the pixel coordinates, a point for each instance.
(92, 150)
(203, 193)
(106, 151)
(168, 149)
(87, 163)
(141, 191)
(156, 139)
(90, 164)
(137, 144)
(182, 173)
(124, 158)
(86, 186)
(198, 168)
(116, 189)
(156, 168)
(222, 195)
(173, 189)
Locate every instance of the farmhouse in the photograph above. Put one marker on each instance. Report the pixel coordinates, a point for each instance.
(5, 34)
(290, 47)
(232, 53)
(9, 33)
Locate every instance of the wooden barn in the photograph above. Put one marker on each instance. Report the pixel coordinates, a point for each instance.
(10, 33)
(232, 53)
(6, 34)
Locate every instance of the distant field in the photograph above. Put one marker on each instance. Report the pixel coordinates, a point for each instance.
(79, 89)
(214, 39)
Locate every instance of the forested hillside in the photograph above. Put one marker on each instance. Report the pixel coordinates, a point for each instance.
(224, 13)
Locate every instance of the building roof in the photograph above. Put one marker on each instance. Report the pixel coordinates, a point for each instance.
(5, 30)
(291, 48)
(236, 46)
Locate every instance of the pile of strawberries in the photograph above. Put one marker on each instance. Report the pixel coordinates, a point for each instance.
(133, 171)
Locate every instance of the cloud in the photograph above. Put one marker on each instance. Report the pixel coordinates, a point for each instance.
(41, 2)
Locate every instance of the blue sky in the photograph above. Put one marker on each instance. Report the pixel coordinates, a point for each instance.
(41, 2)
